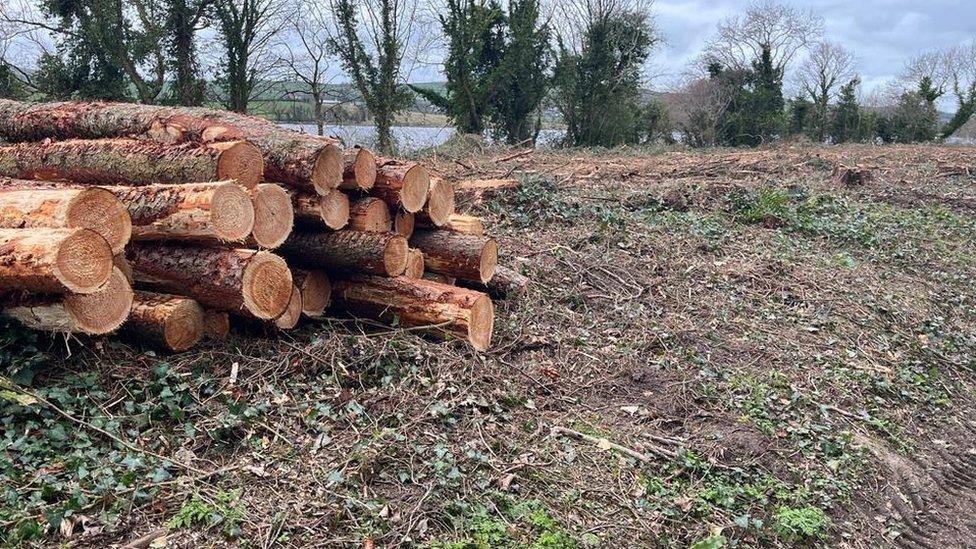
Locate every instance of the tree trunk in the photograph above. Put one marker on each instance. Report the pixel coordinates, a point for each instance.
(302, 161)
(216, 325)
(370, 215)
(238, 281)
(274, 216)
(415, 264)
(458, 255)
(289, 319)
(316, 289)
(440, 202)
(383, 254)
(507, 283)
(315, 211)
(168, 322)
(456, 223)
(401, 185)
(404, 223)
(360, 169)
(413, 303)
(23, 206)
(132, 162)
(54, 260)
(96, 313)
(195, 212)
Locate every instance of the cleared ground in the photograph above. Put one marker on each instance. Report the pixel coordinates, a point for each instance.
(732, 347)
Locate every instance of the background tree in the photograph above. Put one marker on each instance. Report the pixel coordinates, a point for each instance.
(826, 68)
(184, 19)
(960, 65)
(756, 115)
(247, 30)
(799, 114)
(376, 72)
(306, 55)
(846, 119)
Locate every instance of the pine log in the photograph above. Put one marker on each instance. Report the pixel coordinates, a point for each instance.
(96, 313)
(404, 223)
(360, 169)
(315, 211)
(168, 322)
(302, 161)
(401, 185)
(507, 283)
(370, 215)
(439, 278)
(440, 202)
(383, 254)
(274, 216)
(238, 281)
(457, 223)
(24, 205)
(131, 162)
(216, 325)
(316, 289)
(289, 319)
(54, 260)
(415, 264)
(122, 264)
(418, 303)
(459, 255)
(195, 212)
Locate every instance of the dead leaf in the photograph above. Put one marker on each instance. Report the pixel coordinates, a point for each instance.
(683, 503)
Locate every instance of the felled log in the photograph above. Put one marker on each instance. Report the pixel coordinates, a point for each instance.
(122, 264)
(195, 212)
(457, 223)
(370, 215)
(316, 290)
(54, 260)
(24, 205)
(274, 216)
(382, 254)
(404, 223)
(359, 173)
(401, 185)
(459, 255)
(440, 202)
(416, 303)
(289, 319)
(439, 278)
(507, 283)
(302, 161)
(216, 325)
(238, 281)
(97, 313)
(168, 322)
(477, 190)
(315, 211)
(415, 264)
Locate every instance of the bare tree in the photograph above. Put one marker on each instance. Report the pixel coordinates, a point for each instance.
(828, 67)
(931, 65)
(306, 54)
(573, 17)
(785, 30)
(247, 32)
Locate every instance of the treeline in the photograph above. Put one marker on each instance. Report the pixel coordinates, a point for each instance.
(766, 74)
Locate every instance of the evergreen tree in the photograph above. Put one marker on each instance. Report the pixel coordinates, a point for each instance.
(799, 114)
(182, 17)
(756, 115)
(846, 116)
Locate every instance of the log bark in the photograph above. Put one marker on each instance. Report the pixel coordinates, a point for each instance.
(216, 325)
(96, 313)
(382, 254)
(418, 303)
(239, 281)
(274, 216)
(28, 206)
(315, 211)
(401, 185)
(302, 161)
(439, 278)
(404, 223)
(195, 212)
(459, 255)
(415, 264)
(316, 289)
(370, 215)
(54, 260)
(457, 223)
(359, 173)
(440, 202)
(132, 162)
(289, 319)
(168, 322)
(507, 283)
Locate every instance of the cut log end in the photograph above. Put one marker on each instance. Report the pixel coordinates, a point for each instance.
(335, 209)
(482, 323)
(364, 169)
(415, 264)
(267, 286)
(240, 161)
(216, 325)
(289, 319)
(172, 322)
(370, 215)
(440, 201)
(404, 224)
(327, 172)
(103, 311)
(274, 216)
(316, 288)
(84, 261)
(99, 210)
(489, 260)
(416, 184)
(232, 212)
(395, 256)
(184, 326)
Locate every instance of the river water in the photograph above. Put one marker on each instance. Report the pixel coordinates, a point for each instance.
(407, 138)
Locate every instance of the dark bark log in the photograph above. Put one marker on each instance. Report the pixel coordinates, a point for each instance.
(459, 255)
(383, 254)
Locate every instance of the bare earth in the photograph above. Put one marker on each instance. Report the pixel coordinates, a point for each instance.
(733, 347)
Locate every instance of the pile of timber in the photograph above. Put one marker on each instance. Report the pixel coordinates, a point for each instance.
(165, 223)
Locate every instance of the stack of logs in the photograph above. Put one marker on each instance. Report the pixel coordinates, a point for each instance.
(163, 221)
